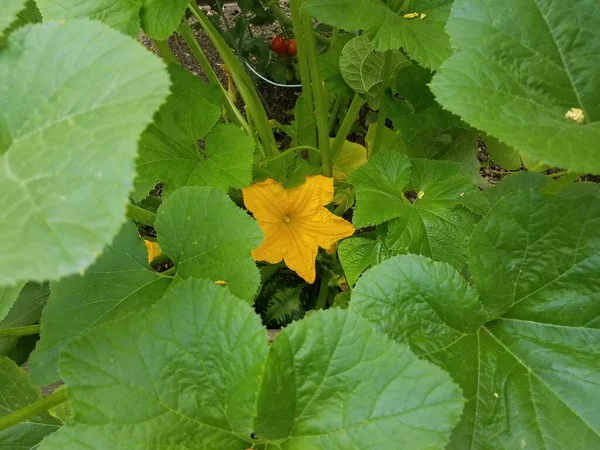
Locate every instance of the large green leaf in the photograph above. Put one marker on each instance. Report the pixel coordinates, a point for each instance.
(319, 391)
(27, 310)
(16, 392)
(158, 18)
(329, 67)
(8, 15)
(69, 125)
(548, 262)
(184, 374)
(437, 223)
(208, 236)
(530, 376)
(519, 67)
(15, 14)
(379, 188)
(355, 255)
(187, 374)
(362, 68)
(119, 282)
(168, 149)
(8, 296)
(425, 40)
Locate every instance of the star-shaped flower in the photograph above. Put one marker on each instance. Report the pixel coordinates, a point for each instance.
(295, 222)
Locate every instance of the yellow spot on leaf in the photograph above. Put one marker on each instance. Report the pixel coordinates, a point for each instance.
(153, 249)
(295, 222)
(575, 114)
(411, 15)
(420, 195)
(496, 395)
(221, 283)
(423, 15)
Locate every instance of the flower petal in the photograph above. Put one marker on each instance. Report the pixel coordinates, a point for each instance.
(300, 254)
(309, 197)
(324, 227)
(267, 201)
(273, 247)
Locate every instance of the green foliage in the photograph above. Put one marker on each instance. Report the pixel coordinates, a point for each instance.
(362, 68)
(285, 307)
(17, 392)
(526, 334)
(119, 282)
(205, 396)
(157, 18)
(190, 231)
(531, 66)
(68, 146)
(424, 40)
(329, 66)
(356, 256)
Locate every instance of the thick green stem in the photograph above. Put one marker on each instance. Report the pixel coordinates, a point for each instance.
(346, 125)
(32, 410)
(287, 23)
(323, 290)
(302, 56)
(232, 112)
(140, 215)
(241, 79)
(383, 104)
(319, 96)
(334, 111)
(165, 51)
(20, 331)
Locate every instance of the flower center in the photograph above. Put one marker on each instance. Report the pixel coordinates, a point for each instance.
(287, 219)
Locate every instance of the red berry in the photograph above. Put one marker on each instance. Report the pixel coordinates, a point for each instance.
(291, 47)
(278, 45)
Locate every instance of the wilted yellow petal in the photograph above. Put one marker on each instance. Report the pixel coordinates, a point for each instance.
(575, 114)
(411, 15)
(153, 250)
(295, 222)
(423, 15)
(220, 282)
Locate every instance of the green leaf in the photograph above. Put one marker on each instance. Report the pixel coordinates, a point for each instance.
(379, 188)
(318, 390)
(580, 189)
(535, 366)
(530, 66)
(288, 168)
(504, 155)
(188, 374)
(342, 300)
(27, 310)
(168, 149)
(67, 147)
(304, 124)
(184, 374)
(8, 15)
(351, 156)
(157, 18)
(362, 68)
(439, 221)
(520, 181)
(329, 67)
(119, 282)
(391, 140)
(548, 261)
(190, 227)
(412, 298)
(285, 306)
(355, 255)
(424, 40)
(16, 392)
(8, 296)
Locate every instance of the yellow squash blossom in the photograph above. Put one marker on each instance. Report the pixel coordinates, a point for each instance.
(295, 222)
(153, 249)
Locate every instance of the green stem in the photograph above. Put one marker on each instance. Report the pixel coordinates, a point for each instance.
(165, 51)
(34, 409)
(140, 215)
(287, 23)
(20, 331)
(232, 112)
(383, 104)
(323, 290)
(241, 79)
(346, 125)
(302, 56)
(334, 110)
(318, 95)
